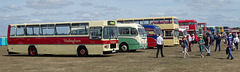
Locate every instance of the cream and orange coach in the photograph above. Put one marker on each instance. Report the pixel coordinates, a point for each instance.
(63, 38)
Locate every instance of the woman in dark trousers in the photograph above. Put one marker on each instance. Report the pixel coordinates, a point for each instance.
(160, 45)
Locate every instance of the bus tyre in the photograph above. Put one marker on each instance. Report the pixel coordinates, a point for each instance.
(82, 52)
(123, 47)
(32, 51)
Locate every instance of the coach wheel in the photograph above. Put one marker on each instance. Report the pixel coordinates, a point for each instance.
(82, 52)
(123, 47)
(32, 51)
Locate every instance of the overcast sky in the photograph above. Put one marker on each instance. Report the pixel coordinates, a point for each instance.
(213, 12)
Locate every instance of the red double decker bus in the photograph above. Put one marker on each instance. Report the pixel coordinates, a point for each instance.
(191, 26)
(66, 38)
(202, 27)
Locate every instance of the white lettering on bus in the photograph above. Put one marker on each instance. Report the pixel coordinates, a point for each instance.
(72, 41)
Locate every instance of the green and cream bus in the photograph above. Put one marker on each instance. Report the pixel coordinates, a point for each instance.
(63, 38)
(169, 26)
(131, 36)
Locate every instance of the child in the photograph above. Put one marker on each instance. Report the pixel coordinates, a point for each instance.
(201, 46)
(185, 45)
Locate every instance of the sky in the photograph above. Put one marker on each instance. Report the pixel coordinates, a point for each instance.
(213, 12)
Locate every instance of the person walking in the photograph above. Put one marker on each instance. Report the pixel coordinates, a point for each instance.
(193, 40)
(189, 43)
(229, 46)
(207, 43)
(218, 41)
(212, 38)
(201, 46)
(160, 45)
(236, 41)
(185, 46)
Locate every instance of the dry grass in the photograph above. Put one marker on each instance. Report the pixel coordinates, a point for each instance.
(140, 61)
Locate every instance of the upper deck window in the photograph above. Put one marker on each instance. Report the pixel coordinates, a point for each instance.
(120, 22)
(128, 21)
(148, 21)
(159, 21)
(168, 21)
(191, 23)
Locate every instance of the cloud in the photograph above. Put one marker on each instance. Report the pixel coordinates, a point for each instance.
(86, 4)
(88, 16)
(11, 18)
(47, 4)
(178, 13)
(200, 5)
(221, 20)
(107, 7)
(10, 8)
(42, 21)
(41, 13)
(157, 14)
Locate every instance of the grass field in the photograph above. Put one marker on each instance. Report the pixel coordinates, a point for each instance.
(140, 61)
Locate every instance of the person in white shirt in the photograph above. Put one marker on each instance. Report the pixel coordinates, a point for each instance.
(160, 45)
(189, 43)
(236, 41)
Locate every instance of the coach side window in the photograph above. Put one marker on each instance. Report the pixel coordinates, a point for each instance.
(79, 29)
(62, 29)
(47, 29)
(20, 30)
(12, 32)
(123, 31)
(32, 30)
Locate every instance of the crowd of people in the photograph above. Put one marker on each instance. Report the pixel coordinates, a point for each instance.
(205, 42)
(208, 39)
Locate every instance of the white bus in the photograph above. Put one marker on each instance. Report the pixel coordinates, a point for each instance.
(131, 37)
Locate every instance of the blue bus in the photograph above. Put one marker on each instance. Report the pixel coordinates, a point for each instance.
(152, 33)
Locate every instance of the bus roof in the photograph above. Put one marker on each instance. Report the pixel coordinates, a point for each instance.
(202, 23)
(186, 21)
(95, 23)
(129, 25)
(146, 18)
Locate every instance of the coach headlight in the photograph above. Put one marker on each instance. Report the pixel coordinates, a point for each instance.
(106, 46)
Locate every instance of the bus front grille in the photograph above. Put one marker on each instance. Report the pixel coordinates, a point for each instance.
(112, 46)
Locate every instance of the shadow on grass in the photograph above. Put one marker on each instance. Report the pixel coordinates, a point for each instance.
(131, 52)
(220, 58)
(155, 57)
(58, 56)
